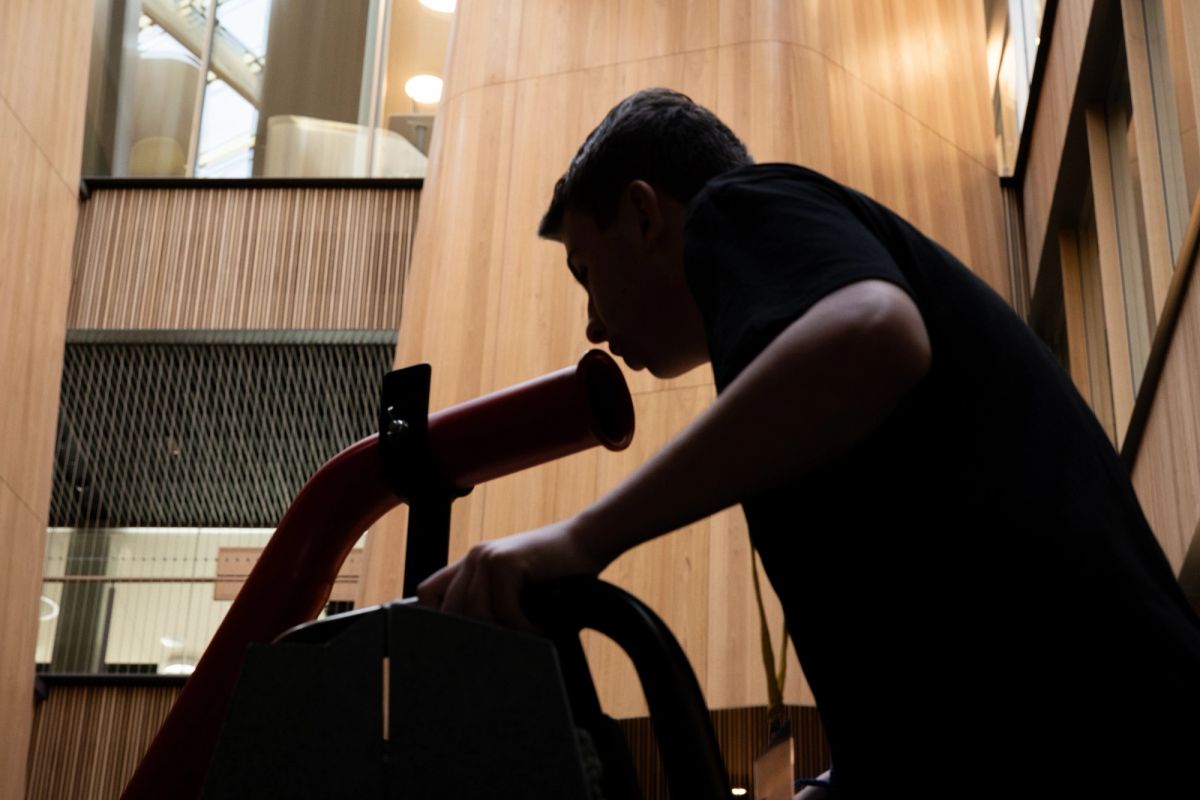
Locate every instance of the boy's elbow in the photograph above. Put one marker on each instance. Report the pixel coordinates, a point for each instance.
(897, 339)
(875, 336)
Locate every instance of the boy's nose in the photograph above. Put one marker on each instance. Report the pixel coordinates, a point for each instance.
(596, 333)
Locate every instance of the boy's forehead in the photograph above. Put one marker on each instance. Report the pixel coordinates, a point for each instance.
(580, 236)
(569, 232)
(574, 238)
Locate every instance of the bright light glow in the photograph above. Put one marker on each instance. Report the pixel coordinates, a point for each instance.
(52, 609)
(444, 6)
(738, 791)
(178, 669)
(425, 89)
(167, 641)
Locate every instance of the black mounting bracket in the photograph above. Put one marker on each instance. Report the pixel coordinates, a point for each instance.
(411, 472)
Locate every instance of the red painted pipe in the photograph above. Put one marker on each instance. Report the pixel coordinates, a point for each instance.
(528, 424)
(534, 422)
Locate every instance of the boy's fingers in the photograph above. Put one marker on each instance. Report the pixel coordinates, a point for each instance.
(432, 591)
(453, 598)
(477, 599)
(478, 586)
(506, 602)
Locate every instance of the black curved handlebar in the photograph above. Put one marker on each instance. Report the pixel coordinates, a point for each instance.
(687, 744)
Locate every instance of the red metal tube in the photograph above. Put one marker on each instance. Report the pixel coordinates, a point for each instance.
(528, 424)
(534, 422)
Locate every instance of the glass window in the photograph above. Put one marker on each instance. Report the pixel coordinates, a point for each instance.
(143, 600)
(1013, 38)
(227, 133)
(1005, 98)
(268, 88)
(233, 90)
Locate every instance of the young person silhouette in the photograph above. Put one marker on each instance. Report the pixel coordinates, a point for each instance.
(973, 591)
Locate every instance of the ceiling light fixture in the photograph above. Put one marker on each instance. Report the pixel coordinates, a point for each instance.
(444, 6)
(424, 89)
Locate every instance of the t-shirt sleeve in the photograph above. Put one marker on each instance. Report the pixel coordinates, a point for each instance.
(761, 254)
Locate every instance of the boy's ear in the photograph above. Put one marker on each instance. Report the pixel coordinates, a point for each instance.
(645, 204)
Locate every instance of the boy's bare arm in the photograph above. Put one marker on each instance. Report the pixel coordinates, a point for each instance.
(823, 384)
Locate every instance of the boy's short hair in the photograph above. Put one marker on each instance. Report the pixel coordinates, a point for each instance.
(656, 135)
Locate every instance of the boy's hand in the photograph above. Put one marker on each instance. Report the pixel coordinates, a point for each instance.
(487, 582)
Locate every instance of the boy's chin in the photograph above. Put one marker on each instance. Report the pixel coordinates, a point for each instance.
(666, 372)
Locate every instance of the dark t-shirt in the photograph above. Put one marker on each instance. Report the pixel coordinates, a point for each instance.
(973, 590)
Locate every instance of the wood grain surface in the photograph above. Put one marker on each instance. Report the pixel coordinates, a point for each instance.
(43, 66)
(243, 258)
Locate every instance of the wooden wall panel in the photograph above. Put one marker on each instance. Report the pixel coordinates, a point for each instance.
(896, 49)
(1166, 473)
(1166, 464)
(489, 305)
(671, 573)
(37, 217)
(44, 48)
(742, 736)
(22, 534)
(1154, 230)
(87, 740)
(242, 258)
(733, 677)
(1111, 282)
(1050, 123)
(43, 62)
(1073, 309)
(1182, 19)
(900, 49)
(936, 186)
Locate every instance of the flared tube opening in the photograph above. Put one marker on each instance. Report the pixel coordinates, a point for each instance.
(609, 402)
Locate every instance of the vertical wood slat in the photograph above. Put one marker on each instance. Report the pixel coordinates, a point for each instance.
(1150, 154)
(1183, 26)
(1068, 249)
(87, 740)
(242, 258)
(742, 736)
(1095, 336)
(1051, 123)
(1164, 454)
(1110, 267)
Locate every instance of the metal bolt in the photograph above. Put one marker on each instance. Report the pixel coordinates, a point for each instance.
(396, 428)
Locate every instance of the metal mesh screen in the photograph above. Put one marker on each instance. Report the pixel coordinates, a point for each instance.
(176, 457)
(191, 434)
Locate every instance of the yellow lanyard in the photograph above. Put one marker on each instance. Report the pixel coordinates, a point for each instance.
(775, 678)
